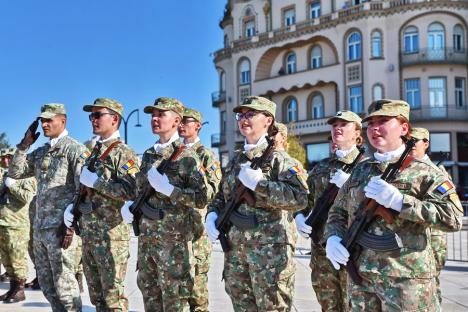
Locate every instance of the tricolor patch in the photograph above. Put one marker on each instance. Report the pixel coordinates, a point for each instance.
(294, 169)
(128, 165)
(201, 171)
(85, 155)
(444, 187)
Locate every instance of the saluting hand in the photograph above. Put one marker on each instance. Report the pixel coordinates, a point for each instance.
(30, 136)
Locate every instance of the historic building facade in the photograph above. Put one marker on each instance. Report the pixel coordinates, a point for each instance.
(314, 58)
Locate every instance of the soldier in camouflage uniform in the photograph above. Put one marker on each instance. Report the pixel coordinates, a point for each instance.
(14, 224)
(57, 167)
(438, 237)
(330, 285)
(165, 257)
(281, 138)
(420, 196)
(259, 267)
(201, 245)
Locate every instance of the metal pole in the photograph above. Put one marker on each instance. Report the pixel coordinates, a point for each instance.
(125, 121)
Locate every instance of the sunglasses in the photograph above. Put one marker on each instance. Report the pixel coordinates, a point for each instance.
(249, 115)
(97, 115)
(187, 121)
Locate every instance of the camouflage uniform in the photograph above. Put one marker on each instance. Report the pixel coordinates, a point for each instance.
(57, 169)
(165, 256)
(400, 279)
(259, 267)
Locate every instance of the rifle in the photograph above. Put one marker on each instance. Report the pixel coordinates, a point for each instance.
(356, 234)
(4, 199)
(229, 214)
(143, 197)
(319, 215)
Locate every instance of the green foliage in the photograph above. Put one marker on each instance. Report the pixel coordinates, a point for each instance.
(3, 140)
(296, 149)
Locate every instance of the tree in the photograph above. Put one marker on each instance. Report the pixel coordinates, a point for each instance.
(3, 140)
(296, 149)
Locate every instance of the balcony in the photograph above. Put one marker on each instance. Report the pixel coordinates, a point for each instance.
(309, 126)
(447, 112)
(217, 98)
(218, 139)
(431, 56)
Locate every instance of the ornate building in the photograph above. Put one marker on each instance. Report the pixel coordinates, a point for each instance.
(314, 58)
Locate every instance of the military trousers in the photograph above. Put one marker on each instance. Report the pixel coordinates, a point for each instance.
(14, 250)
(439, 248)
(165, 273)
(105, 266)
(260, 277)
(330, 285)
(202, 255)
(379, 293)
(55, 269)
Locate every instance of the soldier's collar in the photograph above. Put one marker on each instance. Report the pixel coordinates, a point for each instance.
(158, 147)
(257, 150)
(388, 156)
(248, 147)
(192, 144)
(115, 135)
(54, 141)
(349, 157)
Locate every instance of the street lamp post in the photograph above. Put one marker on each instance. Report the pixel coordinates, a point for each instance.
(125, 121)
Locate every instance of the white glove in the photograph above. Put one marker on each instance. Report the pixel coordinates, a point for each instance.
(336, 252)
(9, 182)
(87, 177)
(127, 216)
(160, 182)
(210, 226)
(384, 193)
(303, 229)
(250, 177)
(339, 178)
(68, 216)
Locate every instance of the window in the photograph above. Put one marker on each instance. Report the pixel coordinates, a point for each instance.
(289, 17)
(413, 93)
(291, 106)
(244, 69)
(411, 38)
(376, 47)
(355, 99)
(354, 46)
(250, 28)
(317, 107)
(377, 92)
(460, 92)
(226, 41)
(314, 10)
(316, 57)
(222, 81)
(291, 63)
(317, 152)
(435, 42)
(440, 142)
(458, 35)
(437, 97)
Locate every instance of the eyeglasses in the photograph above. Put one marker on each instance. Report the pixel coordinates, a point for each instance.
(186, 121)
(97, 115)
(249, 115)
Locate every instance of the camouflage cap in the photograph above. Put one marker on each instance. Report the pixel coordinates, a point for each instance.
(346, 116)
(257, 103)
(51, 110)
(420, 133)
(282, 128)
(105, 103)
(7, 151)
(190, 112)
(392, 108)
(165, 104)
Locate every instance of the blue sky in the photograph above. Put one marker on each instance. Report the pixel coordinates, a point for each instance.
(72, 52)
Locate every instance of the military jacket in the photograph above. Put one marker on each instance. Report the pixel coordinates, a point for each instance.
(15, 213)
(428, 202)
(115, 185)
(57, 170)
(319, 178)
(187, 176)
(283, 191)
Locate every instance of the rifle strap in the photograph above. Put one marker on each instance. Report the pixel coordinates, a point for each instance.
(109, 149)
(406, 163)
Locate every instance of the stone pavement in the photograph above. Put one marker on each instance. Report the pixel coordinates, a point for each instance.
(454, 287)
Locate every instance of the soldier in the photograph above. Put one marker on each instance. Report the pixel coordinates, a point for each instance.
(438, 237)
(105, 236)
(420, 196)
(259, 267)
(281, 138)
(201, 245)
(57, 167)
(165, 257)
(330, 285)
(14, 223)
(34, 284)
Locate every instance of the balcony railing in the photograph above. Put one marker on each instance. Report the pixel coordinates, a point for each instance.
(436, 56)
(217, 98)
(309, 126)
(446, 112)
(218, 139)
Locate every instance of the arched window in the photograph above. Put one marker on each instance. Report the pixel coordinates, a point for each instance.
(411, 40)
(376, 41)
(435, 42)
(226, 41)
(244, 72)
(249, 28)
(317, 106)
(377, 92)
(354, 46)
(222, 81)
(316, 57)
(291, 63)
(458, 36)
(291, 110)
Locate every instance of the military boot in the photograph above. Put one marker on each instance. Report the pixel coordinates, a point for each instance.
(17, 294)
(79, 279)
(9, 292)
(34, 284)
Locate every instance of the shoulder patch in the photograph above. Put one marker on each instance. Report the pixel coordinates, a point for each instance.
(294, 169)
(201, 171)
(85, 154)
(444, 187)
(130, 167)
